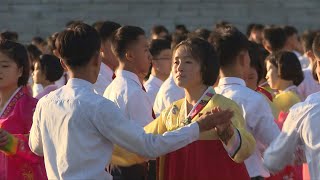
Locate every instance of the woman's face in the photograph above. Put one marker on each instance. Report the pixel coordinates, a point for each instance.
(37, 75)
(186, 70)
(272, 75)
(9, 72)
(252, 78)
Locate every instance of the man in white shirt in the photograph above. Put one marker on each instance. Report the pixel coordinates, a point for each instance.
(161, 66)
(168, 93)
(109, 61)
(75, 129)
(309, 85)
(300, 131)
(131, 47)
(232, 47)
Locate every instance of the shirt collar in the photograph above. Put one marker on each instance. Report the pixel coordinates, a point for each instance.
(128, 75)
(291, 88)
(155, 80)
(231, 80)
(52, 86)
(76, 82)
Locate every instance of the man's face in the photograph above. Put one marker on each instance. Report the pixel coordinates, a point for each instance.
(141, 55)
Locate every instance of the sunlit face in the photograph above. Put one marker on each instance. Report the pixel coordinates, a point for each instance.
(38, 76)
(257, 36)
(317, 64)
(252, 78)
(272, 76)
(162, 62)
(246, 63)
(186, 70)
(295, 42)
(141, 54)
(9, 72)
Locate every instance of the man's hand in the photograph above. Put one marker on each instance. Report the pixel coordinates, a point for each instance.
(4, 139)
(216, 118)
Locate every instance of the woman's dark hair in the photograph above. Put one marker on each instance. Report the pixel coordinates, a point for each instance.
(33, 54)
(314, 72)
(51, 67)
(51, 40)
(288, 65)
(18, 53)
(257, 56)
(203, 52)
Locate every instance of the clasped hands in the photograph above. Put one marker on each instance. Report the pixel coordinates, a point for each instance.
(220, 121)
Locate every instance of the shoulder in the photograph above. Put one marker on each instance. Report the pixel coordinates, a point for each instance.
(26, 103)
(286, 97)
(174, 108)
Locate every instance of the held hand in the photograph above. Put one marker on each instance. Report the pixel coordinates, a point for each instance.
(225, 132)
(214, 118)
(4, 139)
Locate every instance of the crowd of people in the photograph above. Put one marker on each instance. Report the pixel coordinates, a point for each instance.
(106, 101)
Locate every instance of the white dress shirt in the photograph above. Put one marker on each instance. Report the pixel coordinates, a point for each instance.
(152, 87)
(309, 85)
(75, 129)
(304, 61)
(36, 89)
(168, 93)
(258, 116)
(301, 128)
(63, 80)
(127, 93)
(104, 79)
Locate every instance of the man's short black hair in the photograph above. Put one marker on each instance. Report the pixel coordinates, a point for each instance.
(290, 30)
(124, 37)
(228, 42)
(106, 29)
(9, 35)
(276, 37)
(77, 45)
(158, 45)
(157, 29)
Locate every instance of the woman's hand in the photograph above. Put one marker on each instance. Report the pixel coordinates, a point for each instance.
(215, 119)
(4, 138)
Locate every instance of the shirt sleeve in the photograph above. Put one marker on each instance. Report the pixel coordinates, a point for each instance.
(122, 157)
(119, 130)
(261, 122)
(139, 108)
(282, 150)
(35, 140)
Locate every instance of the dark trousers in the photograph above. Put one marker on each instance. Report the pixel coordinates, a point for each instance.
(257, 178)
(135, 172)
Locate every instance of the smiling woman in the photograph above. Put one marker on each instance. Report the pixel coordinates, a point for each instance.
(16, 110)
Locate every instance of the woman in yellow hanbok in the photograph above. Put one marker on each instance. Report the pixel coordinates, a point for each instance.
(284, 74)
(220, 152)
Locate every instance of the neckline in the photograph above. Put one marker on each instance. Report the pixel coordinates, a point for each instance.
(9, 100)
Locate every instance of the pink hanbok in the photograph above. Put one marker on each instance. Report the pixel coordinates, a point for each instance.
(16, 159)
